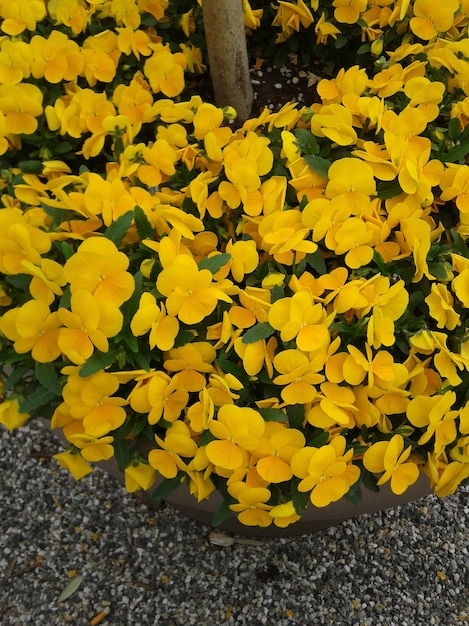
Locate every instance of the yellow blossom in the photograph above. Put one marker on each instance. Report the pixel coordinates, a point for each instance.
(391, 458)
(150, 317)
(275, 451)
(251, 508)
(74, 462)
(298, 375)
(10, 415)
(176, 446)
(139, 476)
(238, 430)
(326, 472)
(440, 303)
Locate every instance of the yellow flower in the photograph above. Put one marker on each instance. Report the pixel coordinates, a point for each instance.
(440, 303)
(334, 121)
(298, 375)
(21, 105)
(191, 362)
(74, 462)
(275, 451)
(285, 237)
(380, 369)
(158, 395)
(336, 406)
(350, 175)
(445, 477)
(284, 514)
(150, 317)
(348, 11)
(91, 400)
(190, 293)
(238, 430)
(177, 444)
(20, 16)
(251, 508)
(429, 19)
(300, 319)
(291, 16)
(89, 324)
(93, 449)
(165, 70)
(326, 472)
(434, 414)
(10, 415)
(99, 268)
(256, 355)
(391, 458)
(454, 184)
(32, 327)
(244, 258)
(139, 476)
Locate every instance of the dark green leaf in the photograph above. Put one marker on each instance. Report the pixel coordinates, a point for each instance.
(296, 415)
(354, 494)
(273, 415)
(118, 229)
(318, 164)
(454, 129)
(122, 453)
(97, 361)
(315, 260)
(30, 167)
(277, 293)
(67, 250)
(206, 438)
(458, 153)
(40, 397)
(223, 511)
(16, 375)
(142, 223)
(388, 189)
(214, 263)
(258, 332)
(46, 375)
(369, 480)
(167, 487)
(299, 498)
(307, 141)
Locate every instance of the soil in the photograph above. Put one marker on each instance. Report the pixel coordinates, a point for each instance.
(273, 87)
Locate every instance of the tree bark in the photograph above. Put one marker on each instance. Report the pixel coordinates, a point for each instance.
(227, 55)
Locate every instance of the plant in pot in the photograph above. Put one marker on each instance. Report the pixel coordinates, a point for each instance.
(274, 309)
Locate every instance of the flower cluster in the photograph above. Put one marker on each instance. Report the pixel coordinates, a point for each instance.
(276, 310)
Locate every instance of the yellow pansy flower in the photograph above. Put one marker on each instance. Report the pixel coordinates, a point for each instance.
(93, 449)
(298, 376)
(391, 458)
(238, 430)
(326, 472)
(139, 476)
(191, 294)
(74, 462)
(151, 317)
(177, 444)
(434, 413)
(440, 303)
(10, 415)
(191, 363)
(159, 396)
(275, 451)
(429, 19)
(252, 507)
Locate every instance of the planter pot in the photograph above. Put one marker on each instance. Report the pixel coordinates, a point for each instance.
(313, 519)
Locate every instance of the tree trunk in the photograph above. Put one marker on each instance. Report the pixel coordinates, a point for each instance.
(227, 54)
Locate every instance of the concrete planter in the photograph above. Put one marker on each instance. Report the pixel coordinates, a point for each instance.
(313, 519)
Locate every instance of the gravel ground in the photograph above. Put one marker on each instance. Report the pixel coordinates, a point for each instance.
(133, 565)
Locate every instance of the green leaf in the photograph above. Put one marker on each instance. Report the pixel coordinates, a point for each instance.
(30, 167)
(206, 438)
(369, 480)
(214, 263)
(142, 223)
(307, 141)
(318, 164)
(354, 494)
(258, 332)
(40, 397)
(97, 361)
(454, 129)
(315, 260)
(273, 415)
(47, 377)
(122, 453)
(389, 189)
(167, 487)
(296, 415)
(17, 374)
(223, 511)
(299, 498)
(118, 229)
(458, 153)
